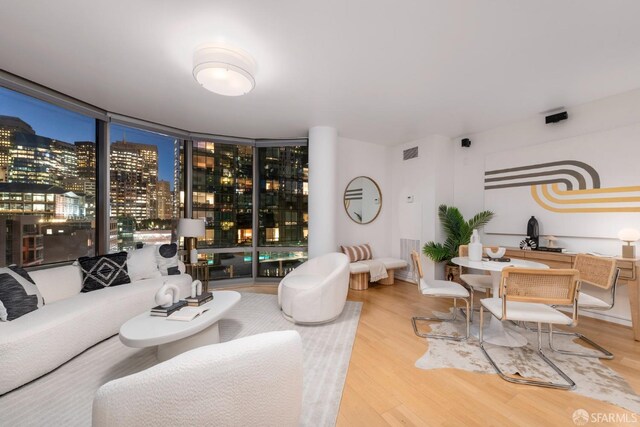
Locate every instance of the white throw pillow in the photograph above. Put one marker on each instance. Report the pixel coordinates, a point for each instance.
(141, 263)
(167, 259)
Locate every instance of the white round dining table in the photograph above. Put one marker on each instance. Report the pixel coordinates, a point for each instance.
(495, 332)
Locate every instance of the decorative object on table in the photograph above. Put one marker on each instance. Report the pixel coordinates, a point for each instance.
(191, 229)
(528, 244)
(629, 235)
(167, 259)
(551, 241)
(475, 247)
(103, 271)
(196, 288)
(197, 301)
(166, 311)
(167, 295)
(187, 314)
(362, 200)
(533, 231)
(458, 232)
(497, 254)
(18, 293)
(501, 259)
(199, 271)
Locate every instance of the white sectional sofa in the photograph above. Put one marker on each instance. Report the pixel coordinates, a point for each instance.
(70, 321)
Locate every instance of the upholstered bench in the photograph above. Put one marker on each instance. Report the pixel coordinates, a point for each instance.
(359, 279)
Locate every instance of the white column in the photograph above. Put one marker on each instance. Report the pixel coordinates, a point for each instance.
(323, 190)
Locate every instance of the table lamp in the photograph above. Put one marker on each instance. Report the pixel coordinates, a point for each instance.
(191, 229)
(629, 235)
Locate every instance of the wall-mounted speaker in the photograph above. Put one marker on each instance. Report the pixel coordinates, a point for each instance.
(466, 143)
(555, 118)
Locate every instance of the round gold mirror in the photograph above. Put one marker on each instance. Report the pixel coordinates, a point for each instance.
(362, 200)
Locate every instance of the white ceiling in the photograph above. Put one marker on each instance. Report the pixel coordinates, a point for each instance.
(379, 70)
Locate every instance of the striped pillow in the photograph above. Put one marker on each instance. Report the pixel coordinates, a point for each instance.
(357, 253)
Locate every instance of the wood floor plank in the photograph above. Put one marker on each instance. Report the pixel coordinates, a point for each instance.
(384, 388)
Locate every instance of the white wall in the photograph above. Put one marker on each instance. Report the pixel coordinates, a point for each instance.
(609, 113)
(359, 158)
(429, 180)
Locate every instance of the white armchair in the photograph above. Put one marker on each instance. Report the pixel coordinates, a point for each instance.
(255, 380)
(316, 291)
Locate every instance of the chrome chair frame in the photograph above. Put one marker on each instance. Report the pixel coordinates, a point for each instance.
(569, 383)
(418, 276)
(601, 352)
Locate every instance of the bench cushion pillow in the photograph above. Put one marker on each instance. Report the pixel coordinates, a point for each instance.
(357, 253)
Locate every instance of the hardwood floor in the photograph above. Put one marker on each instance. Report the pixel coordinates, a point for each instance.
(383, 388)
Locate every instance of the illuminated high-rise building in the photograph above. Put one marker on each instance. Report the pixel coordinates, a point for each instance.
(9, 126)
(134, 180)
(86, 159)
(165, 200)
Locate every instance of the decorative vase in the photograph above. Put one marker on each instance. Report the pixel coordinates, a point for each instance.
(533, 231)
(167, 295)
(475, 247)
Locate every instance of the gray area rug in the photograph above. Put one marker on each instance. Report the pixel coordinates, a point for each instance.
(592, 378)
(64, 396)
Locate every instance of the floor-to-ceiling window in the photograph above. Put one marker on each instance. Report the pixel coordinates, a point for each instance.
(222, 195)
(144, 187)
(78, 181)
(283, 208)
(47, 182)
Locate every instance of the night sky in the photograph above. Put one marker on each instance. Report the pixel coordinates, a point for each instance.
(57, 123)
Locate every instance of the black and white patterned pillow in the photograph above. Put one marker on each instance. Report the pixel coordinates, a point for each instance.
(102, 271)
(167, 258)
(18, 293)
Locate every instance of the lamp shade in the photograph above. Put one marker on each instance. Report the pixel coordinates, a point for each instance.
(629, 235)
(188, 227)
(224, 70)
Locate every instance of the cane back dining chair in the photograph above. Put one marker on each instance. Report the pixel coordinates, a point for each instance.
(527, 295)
(476, 282)
(600, 274)
(439, 289)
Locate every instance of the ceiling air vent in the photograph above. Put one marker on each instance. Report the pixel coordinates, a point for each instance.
(410, 153)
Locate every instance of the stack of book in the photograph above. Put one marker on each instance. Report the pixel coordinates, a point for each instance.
(203, 298)
(166, 311)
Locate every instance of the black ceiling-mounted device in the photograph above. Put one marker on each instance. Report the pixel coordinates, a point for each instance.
(466, 142)
(555, 118)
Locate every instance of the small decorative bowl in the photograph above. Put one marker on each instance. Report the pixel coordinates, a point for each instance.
(497, 254)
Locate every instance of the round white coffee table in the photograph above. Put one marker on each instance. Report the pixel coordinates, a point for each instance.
(496, 333)
(174, 337)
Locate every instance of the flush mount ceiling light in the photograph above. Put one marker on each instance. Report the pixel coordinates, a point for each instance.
(224, 70)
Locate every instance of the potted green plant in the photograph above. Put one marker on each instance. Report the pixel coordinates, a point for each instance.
(458, 232)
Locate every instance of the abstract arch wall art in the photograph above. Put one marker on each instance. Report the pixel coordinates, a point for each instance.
(586, 186)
